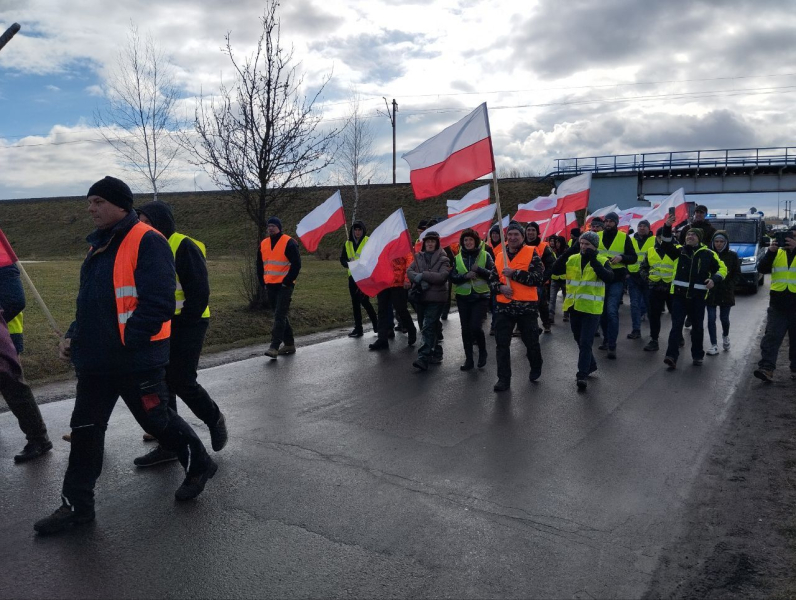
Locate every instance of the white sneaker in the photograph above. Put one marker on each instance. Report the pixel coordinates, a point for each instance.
(726, 342)
(712, 351)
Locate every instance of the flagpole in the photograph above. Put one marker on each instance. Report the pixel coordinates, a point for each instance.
(495, 181)
(39, 299)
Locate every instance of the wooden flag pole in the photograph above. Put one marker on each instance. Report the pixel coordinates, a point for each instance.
(495, 181)
(39, 299)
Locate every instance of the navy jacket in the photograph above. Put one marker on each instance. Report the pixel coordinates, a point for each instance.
(12, 295)
(291, 253)
(96, 344)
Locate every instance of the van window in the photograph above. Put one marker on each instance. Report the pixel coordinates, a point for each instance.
(740, 232)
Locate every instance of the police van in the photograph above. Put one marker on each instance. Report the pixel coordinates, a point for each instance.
(747, 240)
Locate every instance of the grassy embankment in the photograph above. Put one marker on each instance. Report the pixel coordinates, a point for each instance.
(54, 230)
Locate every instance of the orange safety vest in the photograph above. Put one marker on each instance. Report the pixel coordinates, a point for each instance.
(275, 263)
(521, 262)
(540, 248)
(124, 280)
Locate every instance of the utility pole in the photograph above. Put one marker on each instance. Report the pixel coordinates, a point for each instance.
(391, 116)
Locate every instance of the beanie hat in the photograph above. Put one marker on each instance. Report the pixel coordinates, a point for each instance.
(644, 222)
(514, 226)
(471, 233)
(423, 225)
(113, 190)
(275, 221)
(611, 216)
(597, 220)
(533, 224)
(592, 238)
(697, 232)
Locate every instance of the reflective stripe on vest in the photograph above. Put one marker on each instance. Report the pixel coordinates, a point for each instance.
(521, 262)
(649, 243)
(661, 266)
(179, 295)
(617, 248)
(783, 276)
(585, 291)
(354, 254)
(15, 325)
(275, 263)
(480, 286)
(124, 280)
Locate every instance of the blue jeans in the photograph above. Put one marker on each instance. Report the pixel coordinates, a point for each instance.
(429, 328)
(639, 300)
(694, 309)
(724, 317)
(583, 327)
(610, 317)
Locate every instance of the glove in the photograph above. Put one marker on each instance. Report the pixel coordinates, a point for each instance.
(417, 277)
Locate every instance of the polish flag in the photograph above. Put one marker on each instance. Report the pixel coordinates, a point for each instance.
(326, 218)
(477, 198)
(660, 213)
(539, 209)
(573, 194)
(451, 229)
(458, 154)
(630, 217)
(560, 224)
(7, 255)
(373, 272)
(600, 213)
(505, 222)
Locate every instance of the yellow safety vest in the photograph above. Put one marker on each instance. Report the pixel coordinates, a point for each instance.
(617, 248)
(641, 252)
(661, 266)
(480, 286)
(354, 254)
(585, 291)
(783, 276)
(179, 295)
(15, 324)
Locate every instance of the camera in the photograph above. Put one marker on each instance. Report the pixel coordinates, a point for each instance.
(781, 238)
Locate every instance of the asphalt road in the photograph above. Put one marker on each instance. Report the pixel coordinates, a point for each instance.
(350, 475)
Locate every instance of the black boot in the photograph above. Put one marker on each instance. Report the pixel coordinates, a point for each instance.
(482, 354)
(34, 449)
(61, 519)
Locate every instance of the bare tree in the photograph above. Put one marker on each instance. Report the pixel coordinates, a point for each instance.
(138, 119)
(356, 160)
(261, 136)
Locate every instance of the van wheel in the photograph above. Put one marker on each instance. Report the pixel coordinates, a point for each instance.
(754, 289)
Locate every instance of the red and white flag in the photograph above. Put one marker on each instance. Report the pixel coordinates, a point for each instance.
(630, 217)
(456, 155)
(562, 224)
(373, 272)
(477, 198)
(660, 213)
(7, 255)
(573, 194)
(451, 229)
(505, 223)
(599, 213)
(538, 209)
(324, 219)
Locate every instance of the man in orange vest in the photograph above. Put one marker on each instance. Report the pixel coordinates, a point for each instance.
(517, 275)
(119, 345)
(278, 264)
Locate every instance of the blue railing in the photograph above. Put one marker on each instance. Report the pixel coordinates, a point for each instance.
(683, 159)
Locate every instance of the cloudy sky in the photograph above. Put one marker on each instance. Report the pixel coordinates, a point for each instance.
(582, 78)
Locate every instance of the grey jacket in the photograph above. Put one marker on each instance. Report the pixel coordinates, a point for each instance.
(434, 273)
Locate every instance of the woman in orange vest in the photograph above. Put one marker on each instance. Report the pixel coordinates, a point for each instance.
(278, 264)
(517, 275)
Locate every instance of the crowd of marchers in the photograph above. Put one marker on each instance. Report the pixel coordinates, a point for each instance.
(143, 308)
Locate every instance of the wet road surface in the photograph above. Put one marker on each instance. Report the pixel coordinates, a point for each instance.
(348, 474)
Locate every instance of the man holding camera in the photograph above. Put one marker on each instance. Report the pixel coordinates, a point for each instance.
(780, 261)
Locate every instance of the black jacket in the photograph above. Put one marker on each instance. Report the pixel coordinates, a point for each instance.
(96, 344)
(343, 254)
(12, 294)
(708, 231)
(724, 293)
(694, 265)
(291, 253)
(601, 268)
(189, 263)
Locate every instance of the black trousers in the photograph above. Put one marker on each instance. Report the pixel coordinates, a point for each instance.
(187, 340)
(358, 302)
(529, 333)
(544, 307)
(395, 297)
(659, 297)
(23, 406)
(279, 297)
(147, 397)
(472, 312)
(693, 309)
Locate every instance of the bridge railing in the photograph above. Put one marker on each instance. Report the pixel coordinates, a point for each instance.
(682, 159)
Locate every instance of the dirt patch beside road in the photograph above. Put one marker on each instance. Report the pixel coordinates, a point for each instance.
(738, 538)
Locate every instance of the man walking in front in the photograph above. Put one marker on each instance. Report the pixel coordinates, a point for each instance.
(517, 275)
(119, 345)
(188, 329)
(352, 250)
(279, 263)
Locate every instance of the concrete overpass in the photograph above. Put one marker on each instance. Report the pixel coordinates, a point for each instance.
(625, 179)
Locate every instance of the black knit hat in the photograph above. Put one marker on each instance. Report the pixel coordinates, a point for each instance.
(114, 191)
(517, 227)
(533, 224)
